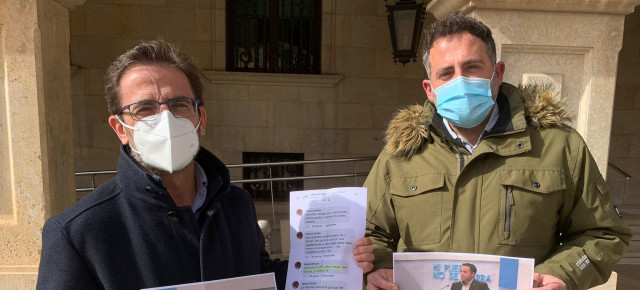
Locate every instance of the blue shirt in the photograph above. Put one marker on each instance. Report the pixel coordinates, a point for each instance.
(492, 122)
(201, 183)
(201, 186)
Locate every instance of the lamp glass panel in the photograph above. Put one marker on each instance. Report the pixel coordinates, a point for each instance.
(404, 21)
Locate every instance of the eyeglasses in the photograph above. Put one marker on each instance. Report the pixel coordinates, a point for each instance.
(181, 108)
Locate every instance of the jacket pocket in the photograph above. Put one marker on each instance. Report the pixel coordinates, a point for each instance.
(606, 204)
(529, 205)
(418, 205)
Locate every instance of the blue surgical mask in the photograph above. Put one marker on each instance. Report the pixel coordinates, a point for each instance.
(465, 102)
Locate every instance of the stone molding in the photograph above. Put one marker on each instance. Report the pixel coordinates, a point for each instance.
(444, 8)
(70, 4)
(272, 79)
(7, 196)
(581, 114)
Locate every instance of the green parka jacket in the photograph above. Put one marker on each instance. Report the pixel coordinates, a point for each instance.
(530, 189)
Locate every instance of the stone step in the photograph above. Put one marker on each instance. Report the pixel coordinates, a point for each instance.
(632, 251)
(635, 231)
(631, 217)
(634, 247)
(632, 223)
(627, 275)
(630, 260)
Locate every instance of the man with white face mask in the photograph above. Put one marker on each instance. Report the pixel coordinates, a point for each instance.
(170, 216)
(485, 167)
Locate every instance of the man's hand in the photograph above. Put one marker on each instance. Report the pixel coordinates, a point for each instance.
(363, 254)
(381, 279)
(547, 282)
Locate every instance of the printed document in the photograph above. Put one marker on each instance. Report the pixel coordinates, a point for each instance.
(324, 227)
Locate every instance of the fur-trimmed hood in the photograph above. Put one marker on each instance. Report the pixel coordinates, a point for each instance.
(412, 126)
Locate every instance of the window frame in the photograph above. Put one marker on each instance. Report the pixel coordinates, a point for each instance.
(315, 39)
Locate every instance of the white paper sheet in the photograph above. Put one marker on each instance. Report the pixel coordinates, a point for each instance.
(253, 282)
(325, 224)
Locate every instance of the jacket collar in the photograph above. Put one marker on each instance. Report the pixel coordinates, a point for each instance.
(414, 127)
(219, 183)
(133, 180)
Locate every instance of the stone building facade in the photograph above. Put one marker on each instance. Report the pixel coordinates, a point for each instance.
(54, 54)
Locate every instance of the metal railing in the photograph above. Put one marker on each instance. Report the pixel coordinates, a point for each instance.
(270, 165)
(270, 179)
(93, 175)
(619, 169)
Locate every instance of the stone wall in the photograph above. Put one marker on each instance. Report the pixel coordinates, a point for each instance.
(36, 139)
(625, 131)
(340, 113)
(102, 30)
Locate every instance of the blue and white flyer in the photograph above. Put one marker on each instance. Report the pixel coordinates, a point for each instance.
(439, 271)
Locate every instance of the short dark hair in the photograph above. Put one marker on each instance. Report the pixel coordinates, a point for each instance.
(472, 267)
(157, 51)
(452, 25)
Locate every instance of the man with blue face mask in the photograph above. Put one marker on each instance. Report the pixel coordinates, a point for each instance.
(485, 167)
(171, 215)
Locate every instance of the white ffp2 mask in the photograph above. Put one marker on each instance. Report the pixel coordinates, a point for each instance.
(166, 142)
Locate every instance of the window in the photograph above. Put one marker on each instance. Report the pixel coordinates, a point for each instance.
(274, 36)
(261, 191)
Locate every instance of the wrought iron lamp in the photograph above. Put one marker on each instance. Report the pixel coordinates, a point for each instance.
(405, 26)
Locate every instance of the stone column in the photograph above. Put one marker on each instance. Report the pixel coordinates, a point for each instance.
(36, 138)
(572, 44)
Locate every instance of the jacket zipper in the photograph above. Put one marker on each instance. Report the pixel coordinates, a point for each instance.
(210, 214)
(508, 210)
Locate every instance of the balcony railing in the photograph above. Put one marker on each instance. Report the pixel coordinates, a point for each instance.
(355, 170)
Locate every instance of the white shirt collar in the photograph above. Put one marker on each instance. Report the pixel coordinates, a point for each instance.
(492, 122)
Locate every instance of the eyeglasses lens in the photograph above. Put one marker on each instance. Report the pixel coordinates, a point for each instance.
(181, 108)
